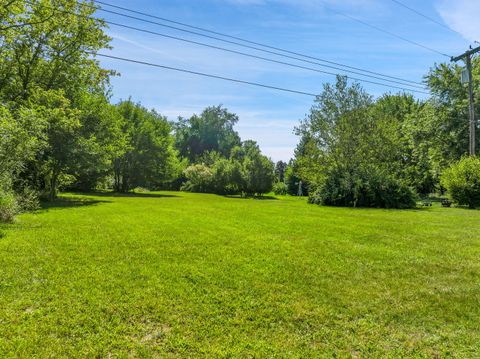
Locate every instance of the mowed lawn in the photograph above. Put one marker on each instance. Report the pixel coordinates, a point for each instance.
(189, 275)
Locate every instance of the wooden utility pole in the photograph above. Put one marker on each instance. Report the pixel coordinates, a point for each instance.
(467, 57)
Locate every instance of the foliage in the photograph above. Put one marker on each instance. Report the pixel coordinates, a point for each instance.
(257, 170)
(364, 187)
(352, 150)
(294, 182)
(47, 44)
(247, 172)
(280, 189)
(149, 158)
(211, 131)
(62, 140)
(462, 181)
(101, 128)
(8, 206)
(45, 67)
(280, 169)
(199, 179)
(450, 100)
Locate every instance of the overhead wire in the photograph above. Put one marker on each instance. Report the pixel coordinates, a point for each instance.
(269, 59)
(263, 58)
(425, 16)
(236, 38)
(388, 32)
(232, 51)
(205, 74)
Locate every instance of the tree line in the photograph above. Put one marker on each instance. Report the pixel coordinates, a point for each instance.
(60, 130)
(355, 150)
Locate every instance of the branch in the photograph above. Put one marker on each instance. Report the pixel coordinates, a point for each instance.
(28, 23)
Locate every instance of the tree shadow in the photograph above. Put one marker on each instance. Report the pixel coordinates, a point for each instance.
(69, 202)
(466, 208)
(257, 198)
(133, 195)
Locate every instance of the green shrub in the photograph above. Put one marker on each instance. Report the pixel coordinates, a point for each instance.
(8, 207)
(367, 187)
(28, 200)
(280, 189)
(462, 181)
(199, 179)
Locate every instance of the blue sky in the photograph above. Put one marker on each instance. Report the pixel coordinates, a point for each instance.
(312, 27)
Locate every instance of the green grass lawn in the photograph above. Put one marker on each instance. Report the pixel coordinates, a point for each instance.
(188, 275)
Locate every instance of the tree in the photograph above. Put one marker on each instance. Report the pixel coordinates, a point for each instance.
(351, 149)
(450, 101)
(462, 181)
(104, 141)
(337, 130)
(294, 183)
(280, 168)
(62, 140)
(53, 51)
(149, 157)
(20, 134)
(405, 140)
(199, 178)
(46, 67)
(258, 171)
(211, 131)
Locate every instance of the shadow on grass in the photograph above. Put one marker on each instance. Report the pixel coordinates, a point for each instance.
(69, 202)
(259, 198)
(132, 195)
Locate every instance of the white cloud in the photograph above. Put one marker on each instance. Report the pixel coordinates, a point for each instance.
(462, 16)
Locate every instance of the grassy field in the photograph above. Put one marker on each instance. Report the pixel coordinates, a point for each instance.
(186, 275)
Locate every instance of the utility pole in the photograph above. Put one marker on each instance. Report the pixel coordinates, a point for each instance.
(467, 57)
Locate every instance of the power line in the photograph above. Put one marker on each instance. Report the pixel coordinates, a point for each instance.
(425, 16)
(263, 58)
(232, 51)
(251, 55)
(205, 74)
(237, 38)
(268, 59)
(375, 27)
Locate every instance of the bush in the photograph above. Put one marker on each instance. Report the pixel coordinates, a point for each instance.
(363, 188)
(8, 207)
(199, 179)
(258, 174)
(280, 189)
(28, 200)
(462, 181)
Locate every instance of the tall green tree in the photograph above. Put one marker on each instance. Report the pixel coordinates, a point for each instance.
(337, 131)
(211, 131)
(280, 169)
(352, 148)
(48, 68)
(104, 141)
(451, 104)
(62, 140)
(48, 44)
(257, 171)
(149, 159)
